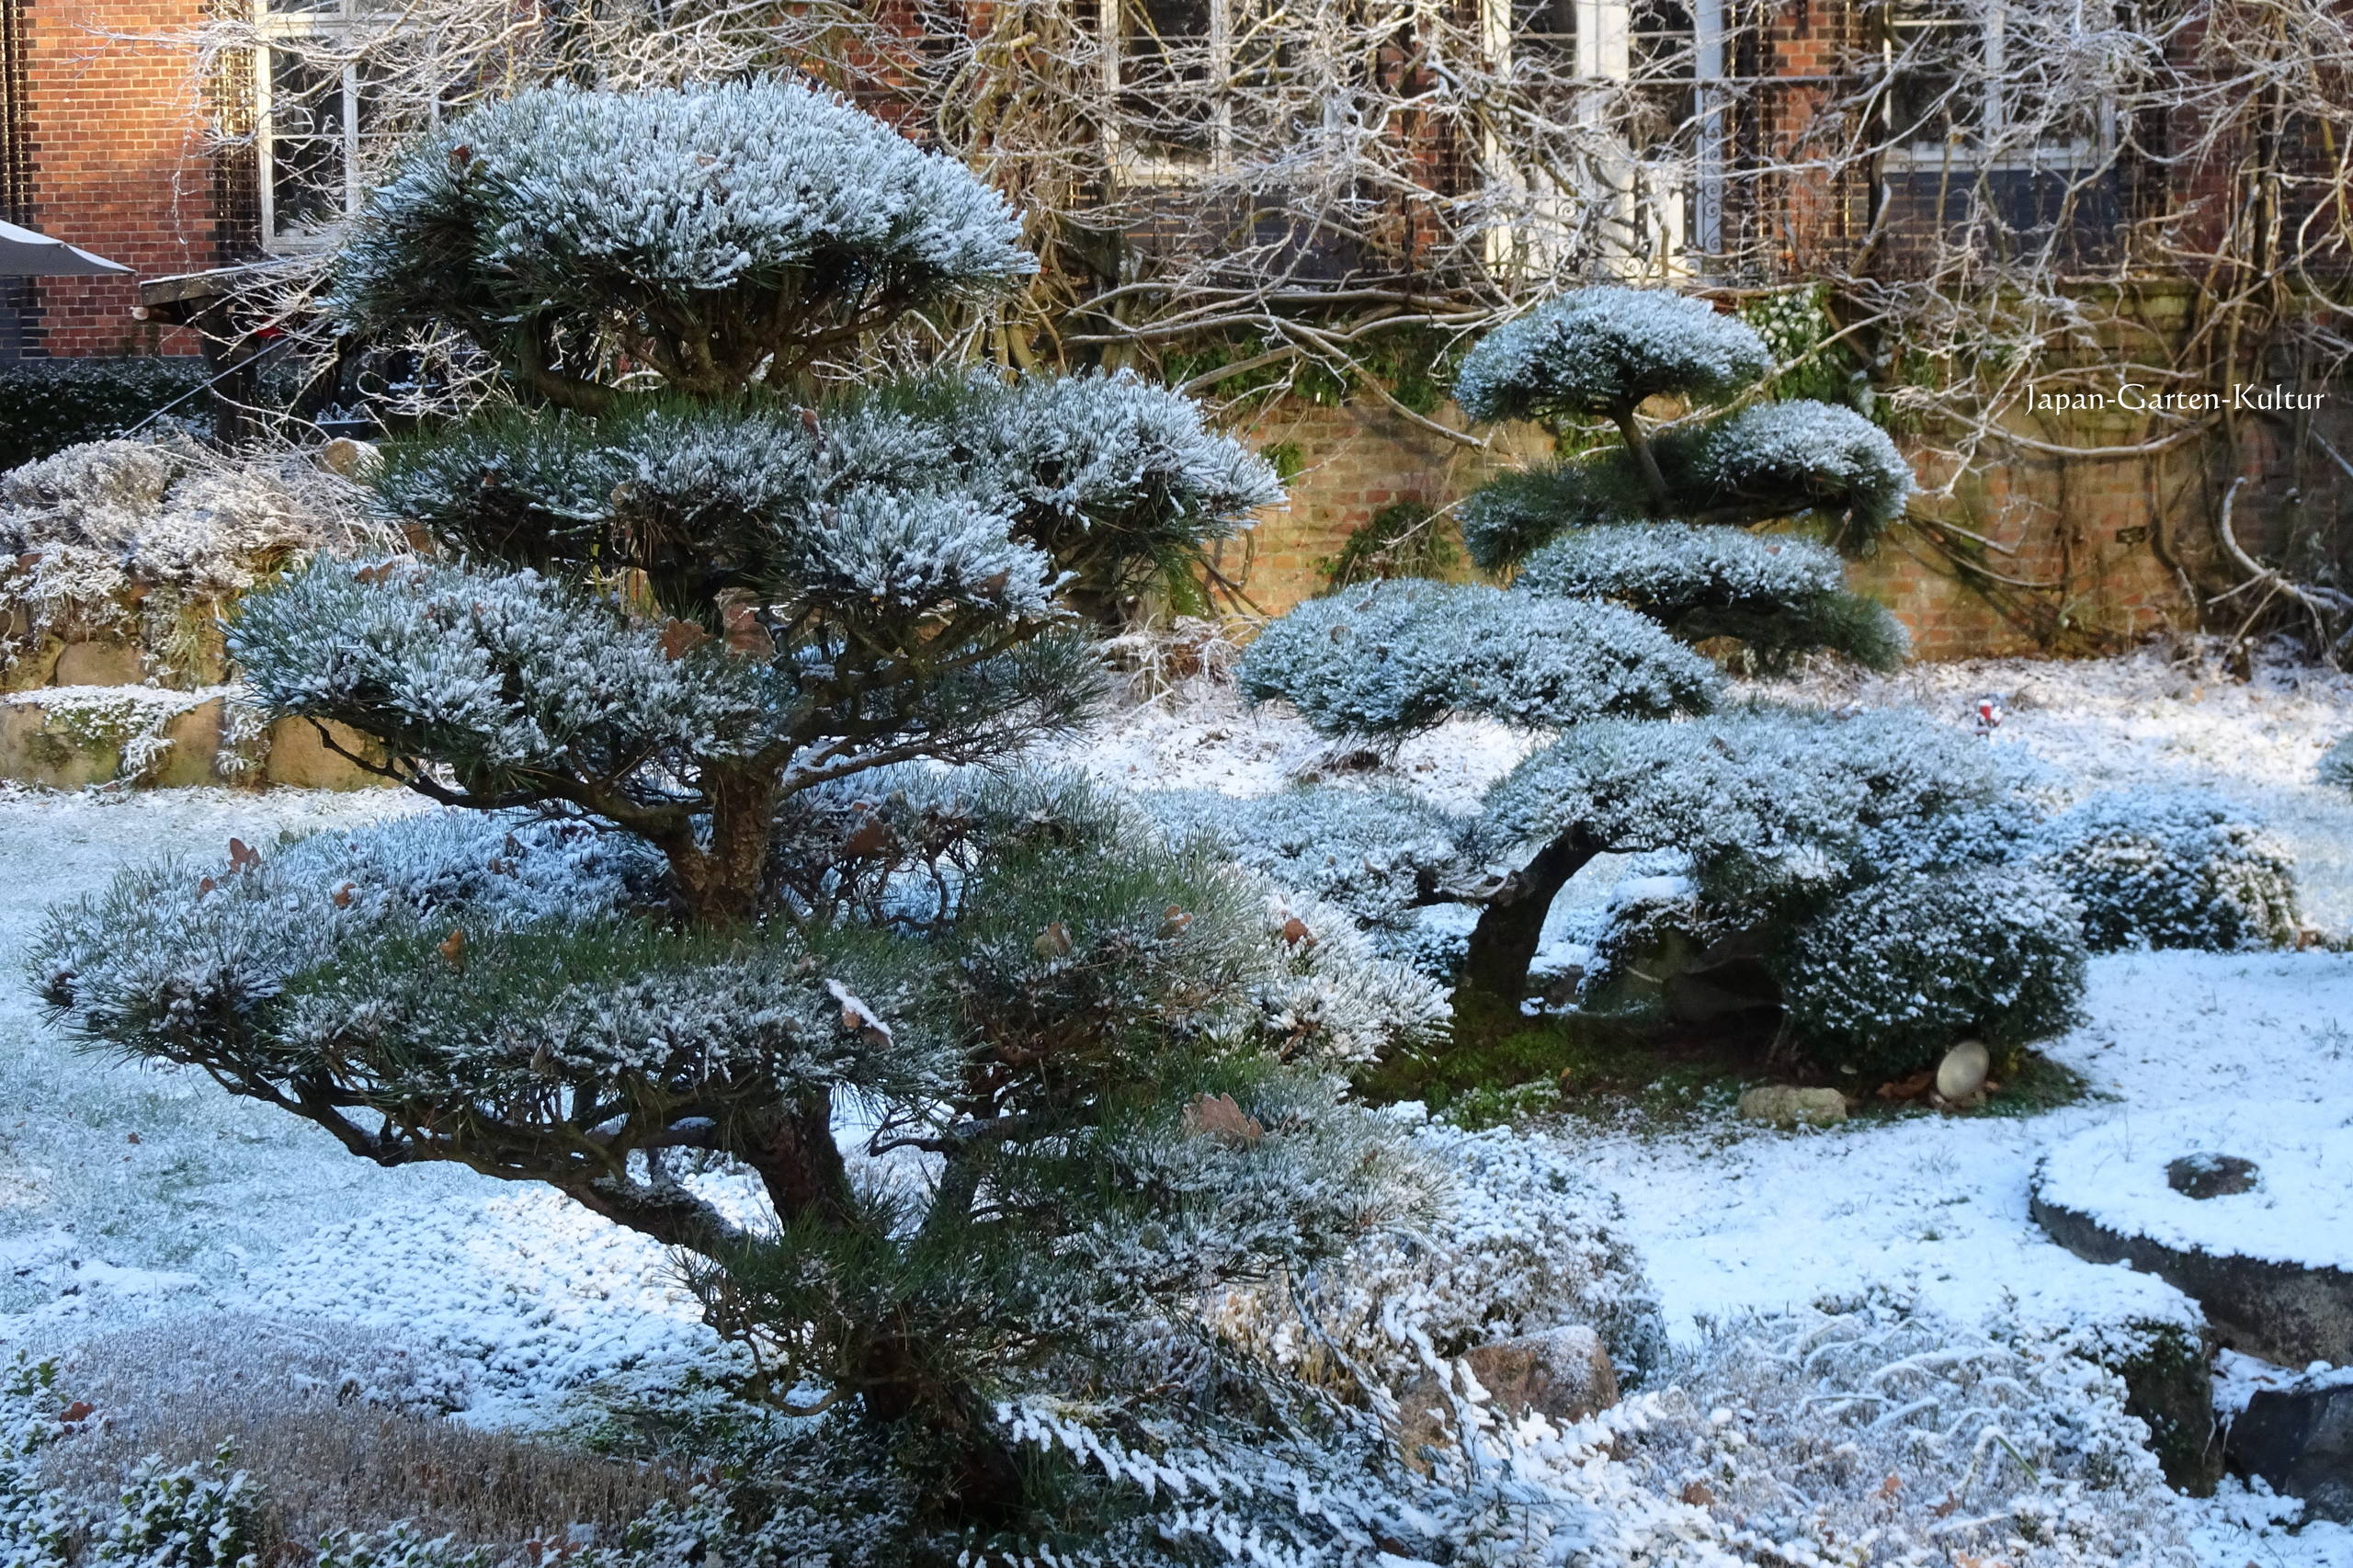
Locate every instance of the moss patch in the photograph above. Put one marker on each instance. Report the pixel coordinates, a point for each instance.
(1615, 1070)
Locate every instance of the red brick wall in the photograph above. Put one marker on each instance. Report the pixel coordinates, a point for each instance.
(118, 165)
(1353, 462)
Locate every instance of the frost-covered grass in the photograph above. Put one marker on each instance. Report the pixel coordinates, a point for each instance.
(512, 1303)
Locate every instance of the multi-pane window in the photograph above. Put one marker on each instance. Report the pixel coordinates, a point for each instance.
(1988, 140)
(1939, 93)
(311, 121)
(1167, 75)
(1967, 82)
(1544, 32)
(1618, 168)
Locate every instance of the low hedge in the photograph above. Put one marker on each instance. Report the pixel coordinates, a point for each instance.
(47, 405)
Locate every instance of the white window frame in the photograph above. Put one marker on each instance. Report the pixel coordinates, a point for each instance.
(1604, 30)
(331, 21)
(1991, 102)
(1134, 165)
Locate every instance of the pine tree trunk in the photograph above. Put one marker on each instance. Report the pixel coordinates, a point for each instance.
(1645, 460)
(791, 1146)
(1503, 942)
(979, 1479)
(722, 880)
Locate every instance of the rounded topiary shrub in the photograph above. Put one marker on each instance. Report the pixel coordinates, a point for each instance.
(2172, 868)
(1891, 974)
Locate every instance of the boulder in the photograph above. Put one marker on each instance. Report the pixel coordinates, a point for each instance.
(1562, 1374)
(69, 738)
(62, 740)
(298, 759)
(2168, 1372)
(2299, 1439)
(98, 662)
(2277, 1311)
(1785, 1105)
(1962, 1072)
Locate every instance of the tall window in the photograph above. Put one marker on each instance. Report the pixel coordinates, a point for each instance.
(1621, 172)
(1986, 140)
(1167, 73)
(1544, 34)
(312, 116)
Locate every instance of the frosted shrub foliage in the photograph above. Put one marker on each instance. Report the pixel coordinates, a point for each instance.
(1401, 655)
(753, 201)
(2172, 868)
(1010, 1081)
(1603, 350)
(1780, 815)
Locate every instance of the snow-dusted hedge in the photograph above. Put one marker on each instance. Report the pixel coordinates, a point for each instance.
(337, 944)
(1859, 1434)
(1514, 514)
(1603, 350)
(1779, 596)
(2337, 765)
(2172, 868)
(523, 208)
(1521, 1241)
(1766, 462)
(1865, 860)
(1871, 1433)
(935, 494)
(511, 668)
(1786, 794)
(1375, 853)
(1856, 1434)
(1402, 656)
(1890, 974)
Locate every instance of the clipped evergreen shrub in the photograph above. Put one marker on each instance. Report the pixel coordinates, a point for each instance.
(2172, 868)
(1013, 1079)
(1717, 529)
(1890, 974)
(47, 405)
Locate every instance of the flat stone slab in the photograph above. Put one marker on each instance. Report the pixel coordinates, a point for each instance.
(2242, 1207)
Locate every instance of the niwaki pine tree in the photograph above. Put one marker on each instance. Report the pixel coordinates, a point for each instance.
(1624, 561)
(999, 1073)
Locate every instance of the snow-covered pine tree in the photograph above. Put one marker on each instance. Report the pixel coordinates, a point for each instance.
(999, 1072)
(1622, 559)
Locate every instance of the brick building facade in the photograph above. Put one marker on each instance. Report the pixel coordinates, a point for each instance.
(107, 149)
(106, 145)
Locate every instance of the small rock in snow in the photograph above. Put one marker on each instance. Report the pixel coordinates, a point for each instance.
(1785, 1105)
(2212, 1176)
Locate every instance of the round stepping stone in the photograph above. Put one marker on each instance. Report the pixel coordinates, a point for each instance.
(2241, 1207)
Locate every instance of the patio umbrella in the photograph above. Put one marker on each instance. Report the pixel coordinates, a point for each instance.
(24, 253)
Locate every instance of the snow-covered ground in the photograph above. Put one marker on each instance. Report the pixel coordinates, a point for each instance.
(127, 1193)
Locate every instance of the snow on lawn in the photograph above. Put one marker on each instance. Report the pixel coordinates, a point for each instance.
(130, 1192)
(127, 1192)
(1733, 1218)
(2110, 723)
